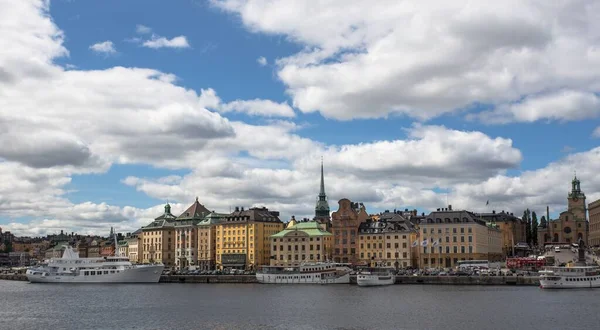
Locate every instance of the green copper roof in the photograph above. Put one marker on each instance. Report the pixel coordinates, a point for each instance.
(310, 228)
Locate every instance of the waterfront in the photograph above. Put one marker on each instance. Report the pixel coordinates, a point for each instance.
(255, 306)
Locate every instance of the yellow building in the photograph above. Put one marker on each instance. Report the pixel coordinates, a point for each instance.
(133, 246)
(301, 242)
(243, 238)
(387, 241)
(512, 228)
(158, 240)
(449, 236)
(207, 240)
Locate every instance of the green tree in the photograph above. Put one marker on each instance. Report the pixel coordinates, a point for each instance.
(534, 228)
(526, 218)
(543, 223)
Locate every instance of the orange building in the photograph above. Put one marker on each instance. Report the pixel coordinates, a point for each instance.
(344, 224)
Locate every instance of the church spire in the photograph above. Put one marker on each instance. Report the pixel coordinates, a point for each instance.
(322, 191)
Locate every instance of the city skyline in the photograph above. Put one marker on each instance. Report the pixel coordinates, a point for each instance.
(109, 110)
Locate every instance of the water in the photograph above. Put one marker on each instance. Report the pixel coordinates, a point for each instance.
(255, 306)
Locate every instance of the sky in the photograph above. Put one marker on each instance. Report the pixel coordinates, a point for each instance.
(110, 109)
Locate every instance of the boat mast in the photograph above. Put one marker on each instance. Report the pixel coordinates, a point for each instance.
(117, 253)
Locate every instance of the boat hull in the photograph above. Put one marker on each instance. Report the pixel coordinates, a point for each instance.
(374, 280)
(564, 284)
(299, 278)
(139, 274)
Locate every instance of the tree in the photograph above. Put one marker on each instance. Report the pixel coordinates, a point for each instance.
(534, 228)
(527, 219)
(543, 221)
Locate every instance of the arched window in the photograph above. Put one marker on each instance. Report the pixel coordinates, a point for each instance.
(555, 238)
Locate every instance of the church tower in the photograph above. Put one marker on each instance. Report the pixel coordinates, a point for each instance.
(322, 213)
(576, 201)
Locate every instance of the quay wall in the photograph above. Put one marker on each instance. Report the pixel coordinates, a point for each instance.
(439, 280)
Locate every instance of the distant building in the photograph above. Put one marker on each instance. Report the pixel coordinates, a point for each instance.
(386, 241)
(186, 235)
(594, 209)
(158, 239)
(207, 240)
(571, 225)
(512, 228)
(243, 238)
(134, 243)
(344, 224)
(300, 242)
(447, 236)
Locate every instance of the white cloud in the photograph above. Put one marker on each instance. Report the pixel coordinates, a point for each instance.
(262, 61)
(562, 106)
(105, 47)
(596, 132)
(162, 42)
(259, 107)
(426, 58)
(142, 29)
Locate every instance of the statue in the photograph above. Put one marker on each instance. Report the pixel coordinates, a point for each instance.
(581, 252)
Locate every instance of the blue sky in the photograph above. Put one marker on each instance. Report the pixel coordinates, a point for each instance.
(517, 144)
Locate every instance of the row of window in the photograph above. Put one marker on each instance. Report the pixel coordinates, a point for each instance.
(447, 249)
(388, 255)
(99, 272)
(447, 230)
(296, 239)
(303, 247)
(379, 237)
(388, 245)
(303, 257)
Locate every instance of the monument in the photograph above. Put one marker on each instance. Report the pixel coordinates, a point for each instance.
(581, 254)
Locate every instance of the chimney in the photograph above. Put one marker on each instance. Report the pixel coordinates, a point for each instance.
(438, 209)
(423, 214)
(493, 211)
(242, 209)
(237, 208)
(450, 207)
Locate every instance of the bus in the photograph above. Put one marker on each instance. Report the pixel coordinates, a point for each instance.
(471, 264)
(574, 248)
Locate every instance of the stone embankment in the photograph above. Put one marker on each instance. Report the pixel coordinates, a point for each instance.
(440, 280)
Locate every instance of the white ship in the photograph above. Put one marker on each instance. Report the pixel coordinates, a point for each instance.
(309, 273)
(73, 269)
(375, 278)
(570, 277)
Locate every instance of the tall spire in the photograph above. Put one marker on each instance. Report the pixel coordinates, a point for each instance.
(322, 191)
(322, 207)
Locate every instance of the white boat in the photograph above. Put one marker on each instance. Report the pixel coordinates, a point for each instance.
(375, 278)
(70, 268)
(570, 277)
(309, 273)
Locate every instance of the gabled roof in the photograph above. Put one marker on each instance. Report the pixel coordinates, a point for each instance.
(196, 211)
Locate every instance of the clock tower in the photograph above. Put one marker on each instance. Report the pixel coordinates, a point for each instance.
(576, 201)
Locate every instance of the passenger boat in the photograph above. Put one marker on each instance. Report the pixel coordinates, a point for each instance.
(375, 277)
(570, 277)
(308, 273)
(70, 268)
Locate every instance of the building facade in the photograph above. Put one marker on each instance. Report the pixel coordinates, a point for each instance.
(186, 235)
(386, 241)
(243, 238)
(512, 228)
(447, 237)
(207, 240)
(594, 235)
(571, 225)
(158, 240)
(300, 242)
(344, 224)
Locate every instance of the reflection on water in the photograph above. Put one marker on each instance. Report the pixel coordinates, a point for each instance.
(256, 306)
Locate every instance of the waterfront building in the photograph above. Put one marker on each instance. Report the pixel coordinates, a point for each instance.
(158, 239)
(123, 248)
(594, 210)
(322, 211)
(344, 224)
(186, 235)
(387, 241)
(571, 225)
(134, 245)
(207, 240)
(242, 238)
(300, 242)
(512, 228)
(447, 236)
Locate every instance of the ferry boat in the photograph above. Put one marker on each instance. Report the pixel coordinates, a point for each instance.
(308, 273)
(570, 277)
(70, 268)
(375, 277)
